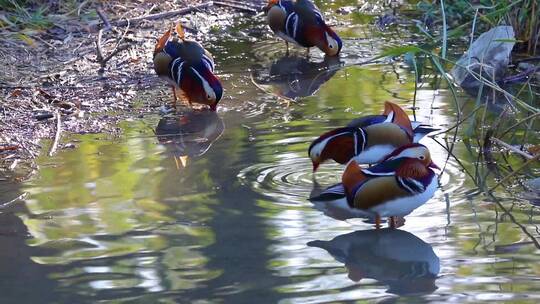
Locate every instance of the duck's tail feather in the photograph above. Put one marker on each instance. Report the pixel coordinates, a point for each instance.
(331, 193)
(422, 130)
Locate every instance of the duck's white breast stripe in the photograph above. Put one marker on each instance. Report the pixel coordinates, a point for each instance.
(403, 184)
(363, 139)
(418, 184)
(178, 64)
(207, 88)
(293, 15)
(355, 143)
(295, 26)
(174, 64)
(208, 62)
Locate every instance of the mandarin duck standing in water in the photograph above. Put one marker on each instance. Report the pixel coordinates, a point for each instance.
(189, 67)
(368, 139)
(402, 182)
(301, 22)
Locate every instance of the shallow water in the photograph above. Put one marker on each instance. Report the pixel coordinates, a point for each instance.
(220, 213)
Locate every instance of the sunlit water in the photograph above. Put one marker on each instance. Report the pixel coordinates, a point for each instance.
(220, 213)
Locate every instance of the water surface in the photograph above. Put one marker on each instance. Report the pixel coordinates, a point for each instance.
(219, 213)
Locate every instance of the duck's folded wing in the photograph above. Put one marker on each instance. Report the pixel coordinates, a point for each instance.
(365, 121)
(387, 168)
(379, 190)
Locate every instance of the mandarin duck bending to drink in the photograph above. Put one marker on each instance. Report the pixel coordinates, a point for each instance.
(301, 22)
(367, 139)
(189, 67)
(394, 188)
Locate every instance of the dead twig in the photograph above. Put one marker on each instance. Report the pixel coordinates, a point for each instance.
(57, 135)
(117, 49)
(242, 7)
(104, 18)
(99, 48)
(14, 164)
(525, 165)
(163, 15)
(7, 204)
(511, 148)
(8, 148)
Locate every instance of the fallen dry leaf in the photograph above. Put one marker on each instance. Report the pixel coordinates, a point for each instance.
(16, 93)
(534, 149)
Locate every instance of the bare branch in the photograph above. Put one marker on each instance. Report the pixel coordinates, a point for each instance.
(163, 15)
(57, 135)
(511, 148)
(104, 18)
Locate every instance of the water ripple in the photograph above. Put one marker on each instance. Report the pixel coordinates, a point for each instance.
(289, 179)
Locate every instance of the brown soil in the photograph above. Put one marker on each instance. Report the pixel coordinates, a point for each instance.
(57, 70)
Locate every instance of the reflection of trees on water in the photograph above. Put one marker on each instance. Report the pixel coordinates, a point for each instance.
(21, 279)
(239, 250)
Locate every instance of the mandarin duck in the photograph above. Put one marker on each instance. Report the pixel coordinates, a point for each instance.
(396, 258)
(368, 139)
(402, 182)
(189, 134)
(301, 23)
(187, 66)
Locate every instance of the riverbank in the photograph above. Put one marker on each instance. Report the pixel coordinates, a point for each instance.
(80, 71)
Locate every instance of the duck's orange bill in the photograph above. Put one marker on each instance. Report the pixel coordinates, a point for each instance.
(434, 166)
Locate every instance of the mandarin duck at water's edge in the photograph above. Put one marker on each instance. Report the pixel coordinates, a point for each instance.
(189, 67)
(368, 139)
(394, 188)
(301, 22)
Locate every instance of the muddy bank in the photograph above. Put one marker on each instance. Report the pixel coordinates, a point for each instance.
(64, 76)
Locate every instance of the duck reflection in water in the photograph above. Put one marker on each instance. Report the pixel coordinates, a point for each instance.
(189, 134)
(393, 257)
(293, 77)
